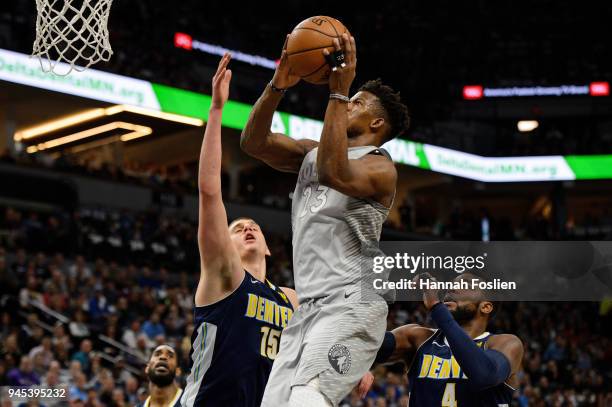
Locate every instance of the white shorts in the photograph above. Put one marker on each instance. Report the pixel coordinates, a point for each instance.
(335, 339)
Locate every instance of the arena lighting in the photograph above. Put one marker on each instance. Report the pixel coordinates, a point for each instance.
(475, 92)
(133, 135)
(185, 41)
(78, 118)
(155, 113)
(99, 143)
(142, 130)
(58, 124)
(599, 89)
(472, 92)
(525, 126)
(90, 145)
(182, 40)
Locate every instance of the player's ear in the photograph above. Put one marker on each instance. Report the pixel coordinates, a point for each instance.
(377, 124)
(147, 369)
(268, 251)
(486, 307)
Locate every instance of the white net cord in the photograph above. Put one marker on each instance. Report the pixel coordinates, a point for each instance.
(74, 32)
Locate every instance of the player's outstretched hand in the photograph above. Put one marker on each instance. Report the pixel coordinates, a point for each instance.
(282, 76)
(220, 83)
(365, 384)
(341, 77)
(430, 296)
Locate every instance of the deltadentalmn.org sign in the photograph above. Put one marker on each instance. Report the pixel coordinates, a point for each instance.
(106, 87)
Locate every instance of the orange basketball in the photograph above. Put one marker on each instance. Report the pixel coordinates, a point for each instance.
(306, 44)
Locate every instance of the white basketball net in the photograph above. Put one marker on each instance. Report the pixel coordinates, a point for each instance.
(71, 31)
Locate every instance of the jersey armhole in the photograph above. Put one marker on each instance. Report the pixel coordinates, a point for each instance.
(416, 352)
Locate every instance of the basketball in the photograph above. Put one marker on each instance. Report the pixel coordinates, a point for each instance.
(306, 44)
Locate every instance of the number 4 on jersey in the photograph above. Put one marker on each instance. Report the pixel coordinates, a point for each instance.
(448, 399)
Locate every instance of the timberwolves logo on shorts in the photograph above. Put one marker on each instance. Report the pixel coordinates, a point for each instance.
(340, 358)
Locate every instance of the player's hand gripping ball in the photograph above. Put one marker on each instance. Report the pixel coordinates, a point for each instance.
(304, 48)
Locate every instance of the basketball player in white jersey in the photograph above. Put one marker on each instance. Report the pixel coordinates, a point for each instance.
(345, 188)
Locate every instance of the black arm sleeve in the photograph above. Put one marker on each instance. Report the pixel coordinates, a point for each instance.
(386, 349)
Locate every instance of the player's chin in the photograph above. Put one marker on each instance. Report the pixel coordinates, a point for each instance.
(251, 247)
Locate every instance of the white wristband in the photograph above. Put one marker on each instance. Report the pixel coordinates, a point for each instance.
(339, 97)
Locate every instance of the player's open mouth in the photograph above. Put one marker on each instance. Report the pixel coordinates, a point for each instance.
(249, 237)
(162, 367)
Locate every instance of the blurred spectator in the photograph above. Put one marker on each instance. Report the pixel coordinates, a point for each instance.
(567, 347)
(153, 327)
(78, 327)
(43, 352)
(83, 354)
(23, 375)
(78, 391)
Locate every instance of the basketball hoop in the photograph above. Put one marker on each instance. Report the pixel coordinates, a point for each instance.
(74, 32)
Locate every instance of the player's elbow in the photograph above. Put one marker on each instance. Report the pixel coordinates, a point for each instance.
(495, 370)
(483, 381)
(208, 192)
(245, 145)
(249, 145)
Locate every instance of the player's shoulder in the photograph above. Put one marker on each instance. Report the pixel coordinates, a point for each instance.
(509, 345)
(380, 158)
(503, 342)
(291, 295)
(380, 152)
(504, 339)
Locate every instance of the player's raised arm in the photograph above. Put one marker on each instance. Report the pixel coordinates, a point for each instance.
(372, 176)
(484, 367)
(219, 260)
(277, 150)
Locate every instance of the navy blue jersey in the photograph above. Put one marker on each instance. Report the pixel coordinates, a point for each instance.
(234, 343)
(175, 402)
(435, 379)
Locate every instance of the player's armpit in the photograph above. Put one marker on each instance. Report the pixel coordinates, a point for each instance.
(217, 280)
(372, 176)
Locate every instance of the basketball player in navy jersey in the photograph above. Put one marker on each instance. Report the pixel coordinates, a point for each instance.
(239, 314)
(459, 364)
(161, 371)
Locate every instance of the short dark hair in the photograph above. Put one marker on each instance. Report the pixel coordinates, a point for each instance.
(397, 113)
